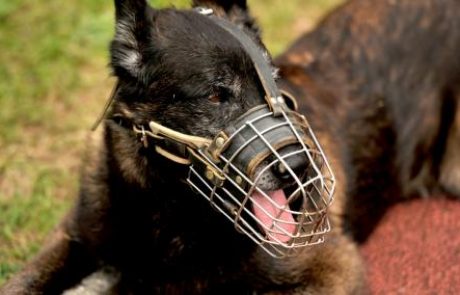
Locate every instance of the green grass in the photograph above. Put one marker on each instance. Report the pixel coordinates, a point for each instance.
(53, 82)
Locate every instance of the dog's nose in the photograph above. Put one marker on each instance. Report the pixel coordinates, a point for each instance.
(297, 163)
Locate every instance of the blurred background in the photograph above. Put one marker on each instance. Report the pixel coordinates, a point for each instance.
(54, 81)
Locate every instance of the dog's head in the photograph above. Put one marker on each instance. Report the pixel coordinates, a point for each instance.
(179, 67)
(201, 84)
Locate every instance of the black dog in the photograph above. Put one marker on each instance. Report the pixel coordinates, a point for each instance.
(379, 84)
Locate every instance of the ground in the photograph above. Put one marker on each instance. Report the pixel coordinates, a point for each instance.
(54, 81)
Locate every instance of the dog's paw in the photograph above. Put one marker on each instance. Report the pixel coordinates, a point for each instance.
(101, 282)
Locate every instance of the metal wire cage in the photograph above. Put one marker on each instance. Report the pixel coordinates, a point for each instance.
(284, 220)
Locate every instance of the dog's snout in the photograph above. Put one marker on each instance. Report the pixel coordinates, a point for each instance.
(293, 164)
(281, 171)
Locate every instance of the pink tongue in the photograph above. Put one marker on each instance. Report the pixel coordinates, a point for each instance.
(285, 219)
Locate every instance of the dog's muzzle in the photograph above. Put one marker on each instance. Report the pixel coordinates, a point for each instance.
(269, 176)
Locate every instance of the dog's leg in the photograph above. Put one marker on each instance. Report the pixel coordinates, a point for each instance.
(61, 264)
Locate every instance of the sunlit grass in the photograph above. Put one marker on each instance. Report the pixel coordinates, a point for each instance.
(53, 82)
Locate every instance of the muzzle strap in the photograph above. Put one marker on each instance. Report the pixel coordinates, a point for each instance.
(272, 93)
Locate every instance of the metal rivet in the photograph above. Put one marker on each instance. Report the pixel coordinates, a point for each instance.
(220, 142)
(238, 179)
(209, 174)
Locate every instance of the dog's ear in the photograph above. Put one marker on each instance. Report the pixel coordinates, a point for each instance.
(236, 11)
(133, 27)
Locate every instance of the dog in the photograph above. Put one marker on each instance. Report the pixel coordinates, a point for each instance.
(379, 84)
(394, 95)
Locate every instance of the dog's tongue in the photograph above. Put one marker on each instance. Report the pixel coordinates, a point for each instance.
(285, 219)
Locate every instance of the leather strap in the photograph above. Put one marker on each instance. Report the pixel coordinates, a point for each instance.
(272, 93)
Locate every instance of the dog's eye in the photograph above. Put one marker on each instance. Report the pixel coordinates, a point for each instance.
(219, 95)
(215, 98)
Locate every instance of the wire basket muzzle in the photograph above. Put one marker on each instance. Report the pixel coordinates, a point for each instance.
(275, 182)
